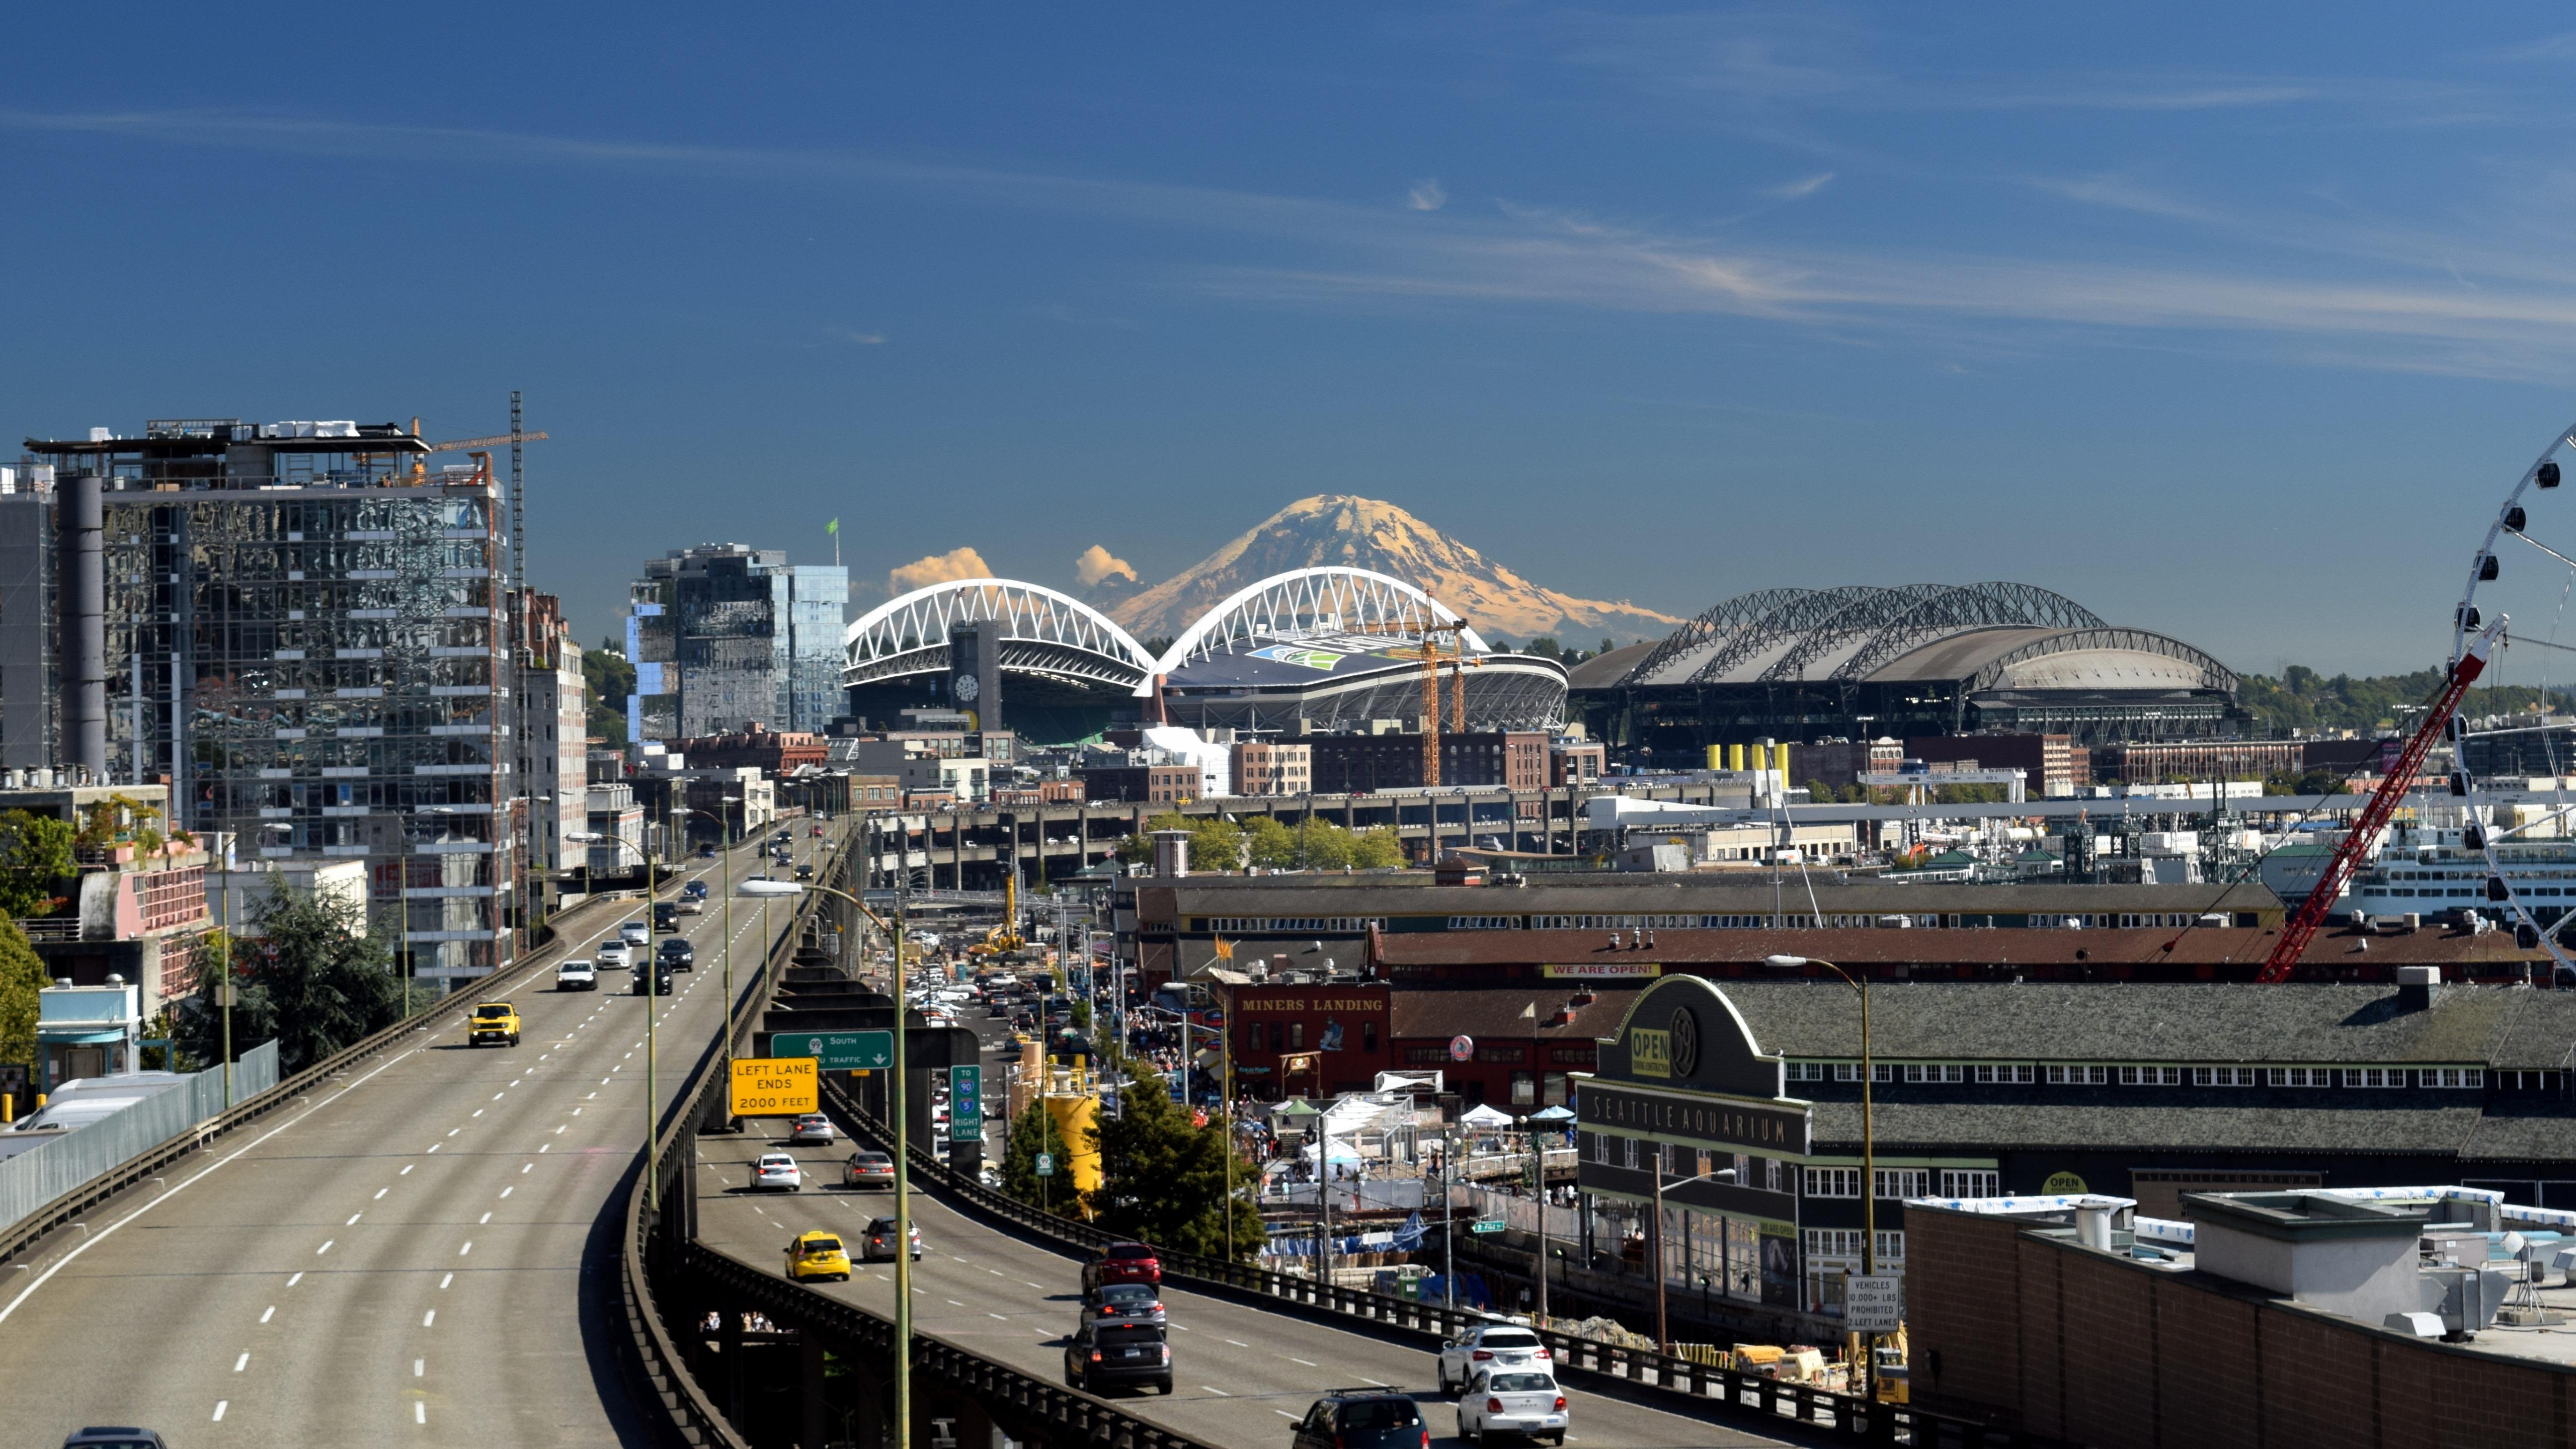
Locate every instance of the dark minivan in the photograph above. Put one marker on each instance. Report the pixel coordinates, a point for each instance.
(1107, 1356)
(1363, 1419)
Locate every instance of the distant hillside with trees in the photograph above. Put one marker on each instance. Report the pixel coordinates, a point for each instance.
(2301, 699)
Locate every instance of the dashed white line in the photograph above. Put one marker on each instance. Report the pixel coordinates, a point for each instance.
(296, 1278)
(505, 1192)
(443, 1282)
(419, 1412)
(419, 1367)
(353, 1219)
(407, 1167)
(380, 1192)
(326, 1247)
(1292, 1358)
(241, 1363)
(269, 1314)
(220, 1406)
(1220, 1393)
(477, 1112)
(429, 1318)
(487, 1217)
(469, 1247)
(531, 1167)
(1238, 1343)
(988, 1313)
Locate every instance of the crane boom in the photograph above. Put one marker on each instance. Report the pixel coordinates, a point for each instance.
(494, 441)
(2357, 842)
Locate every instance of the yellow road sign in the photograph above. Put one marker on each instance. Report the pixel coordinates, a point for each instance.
(775, 1086)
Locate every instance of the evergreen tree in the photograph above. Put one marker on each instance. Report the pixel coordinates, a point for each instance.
(313, 978)
(35, 858)
(1163, 1178)
(1033, 1133)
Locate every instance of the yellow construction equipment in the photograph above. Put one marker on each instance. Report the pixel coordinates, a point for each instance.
(1431, 661)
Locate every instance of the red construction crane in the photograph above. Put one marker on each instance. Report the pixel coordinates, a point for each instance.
(2357, 842)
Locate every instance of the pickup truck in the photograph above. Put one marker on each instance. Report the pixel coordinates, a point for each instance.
(493, 1021)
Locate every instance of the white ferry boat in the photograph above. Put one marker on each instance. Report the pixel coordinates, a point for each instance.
(2428, 871)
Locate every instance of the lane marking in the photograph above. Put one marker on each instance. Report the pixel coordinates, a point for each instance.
(443, 1282)
(419, 1412)
(429, 1318)
(487, 1217)
(220, 1406)
(469, 1247)
(407, 1167)
(497, 1096)
(101, 1235)
(1283, 1413)
(531, 1167)
(436, 1145)
(297, 1278)
(1238, 1343)
(477, 1112)
(326, 1247)
(1292, 1358)
(505, 1192)
(380, 1192)
(988, 1313)
(353, 1219)
(1220, 1393)
(241, 1363)
(419, 1367)
(269, 1314)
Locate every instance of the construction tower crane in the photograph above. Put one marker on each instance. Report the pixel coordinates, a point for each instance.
(460, 444)
(2357, 842)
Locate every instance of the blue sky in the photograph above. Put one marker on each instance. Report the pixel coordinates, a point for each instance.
(2231, 325)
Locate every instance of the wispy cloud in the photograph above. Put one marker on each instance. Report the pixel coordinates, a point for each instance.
(2121, 194)
(1800, 190)
(1428, 195)
(855, 337)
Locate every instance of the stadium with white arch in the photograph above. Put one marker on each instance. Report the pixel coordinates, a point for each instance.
(1335, 647)
(1339, 648)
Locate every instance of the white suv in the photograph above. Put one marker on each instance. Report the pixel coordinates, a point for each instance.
(576, 976)
(1491, 1347)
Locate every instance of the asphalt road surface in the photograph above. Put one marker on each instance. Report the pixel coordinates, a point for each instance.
(398, 1261)
(1241, 1377)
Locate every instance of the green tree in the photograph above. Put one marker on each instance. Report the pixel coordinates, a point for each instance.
(1163, 1179)
(1546, 646)
(1269, 844)
(1215, 845)
(22, 975)
(35, 858)
(609, 678)
(1376, 848)
(314, 978)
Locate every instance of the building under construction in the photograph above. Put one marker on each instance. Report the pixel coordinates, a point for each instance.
(303, 628)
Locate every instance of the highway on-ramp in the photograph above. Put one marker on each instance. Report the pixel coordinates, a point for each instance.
(400, 1258)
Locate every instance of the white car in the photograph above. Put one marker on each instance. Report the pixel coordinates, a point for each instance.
(777, 1170)
(635, 933)
(1491, 1347)
(1526, 1402)
(576, 976)
(811, 1129)
(615, 956)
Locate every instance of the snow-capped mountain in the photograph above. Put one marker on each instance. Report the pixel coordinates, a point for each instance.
(1367, 533)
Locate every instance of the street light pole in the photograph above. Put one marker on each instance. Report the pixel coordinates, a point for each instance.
(1868, 1145)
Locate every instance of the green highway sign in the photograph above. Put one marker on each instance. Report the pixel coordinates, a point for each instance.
(838, 1051)
(1486, 1225)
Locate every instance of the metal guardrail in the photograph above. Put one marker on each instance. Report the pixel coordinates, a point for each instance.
(60, 1162)
(28, 1232)
(1656, 1374)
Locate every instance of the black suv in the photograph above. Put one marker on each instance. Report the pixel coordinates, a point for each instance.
(1363, 1419)
(676, 955)
(1110, 1356)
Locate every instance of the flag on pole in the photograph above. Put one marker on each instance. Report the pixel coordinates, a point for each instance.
(832, 527)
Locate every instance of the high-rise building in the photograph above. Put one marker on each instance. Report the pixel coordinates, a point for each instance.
(301, 628)
(554, 751)
(725, 636)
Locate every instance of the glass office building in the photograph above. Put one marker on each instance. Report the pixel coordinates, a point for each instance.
(307, 637)
(723, 636)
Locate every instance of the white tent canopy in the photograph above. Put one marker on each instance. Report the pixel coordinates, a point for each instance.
(1484, 1116)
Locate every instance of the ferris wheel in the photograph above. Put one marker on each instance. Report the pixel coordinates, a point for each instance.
(2516, 574)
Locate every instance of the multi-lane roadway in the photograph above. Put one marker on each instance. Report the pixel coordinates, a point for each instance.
(1242, 1377)
(401, 1258)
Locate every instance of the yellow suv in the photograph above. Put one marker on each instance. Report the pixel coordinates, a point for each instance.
(495, 1021)
(818, 1255)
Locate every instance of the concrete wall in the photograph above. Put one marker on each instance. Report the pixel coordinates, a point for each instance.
(2363, 1278)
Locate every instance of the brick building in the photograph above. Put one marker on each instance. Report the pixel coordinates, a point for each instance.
(1148, 784)
(1357, 764)
(1576, 762)
(772, 752)
(1272, 767)
(2047, 762)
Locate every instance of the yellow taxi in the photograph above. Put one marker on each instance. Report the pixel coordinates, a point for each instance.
(818, 1254)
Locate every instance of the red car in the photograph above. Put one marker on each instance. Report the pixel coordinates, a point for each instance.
(1123, 1263)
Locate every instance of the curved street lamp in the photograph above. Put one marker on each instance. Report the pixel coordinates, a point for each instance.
(1868, 1143)
(763, 888)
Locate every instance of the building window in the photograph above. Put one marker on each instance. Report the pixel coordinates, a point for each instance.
(1252, 1036)
(1969, 1182)
(1891, 1247)
(1524, 1090)
(1368, 1036)
(1771, 1175)
(1824, 1243)
(1833, 1182)
(1904, 1182)
(1628, 1152)
(2079, 1076)
(1552, 1089)
(1881, 1072)
(1846, 1071)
